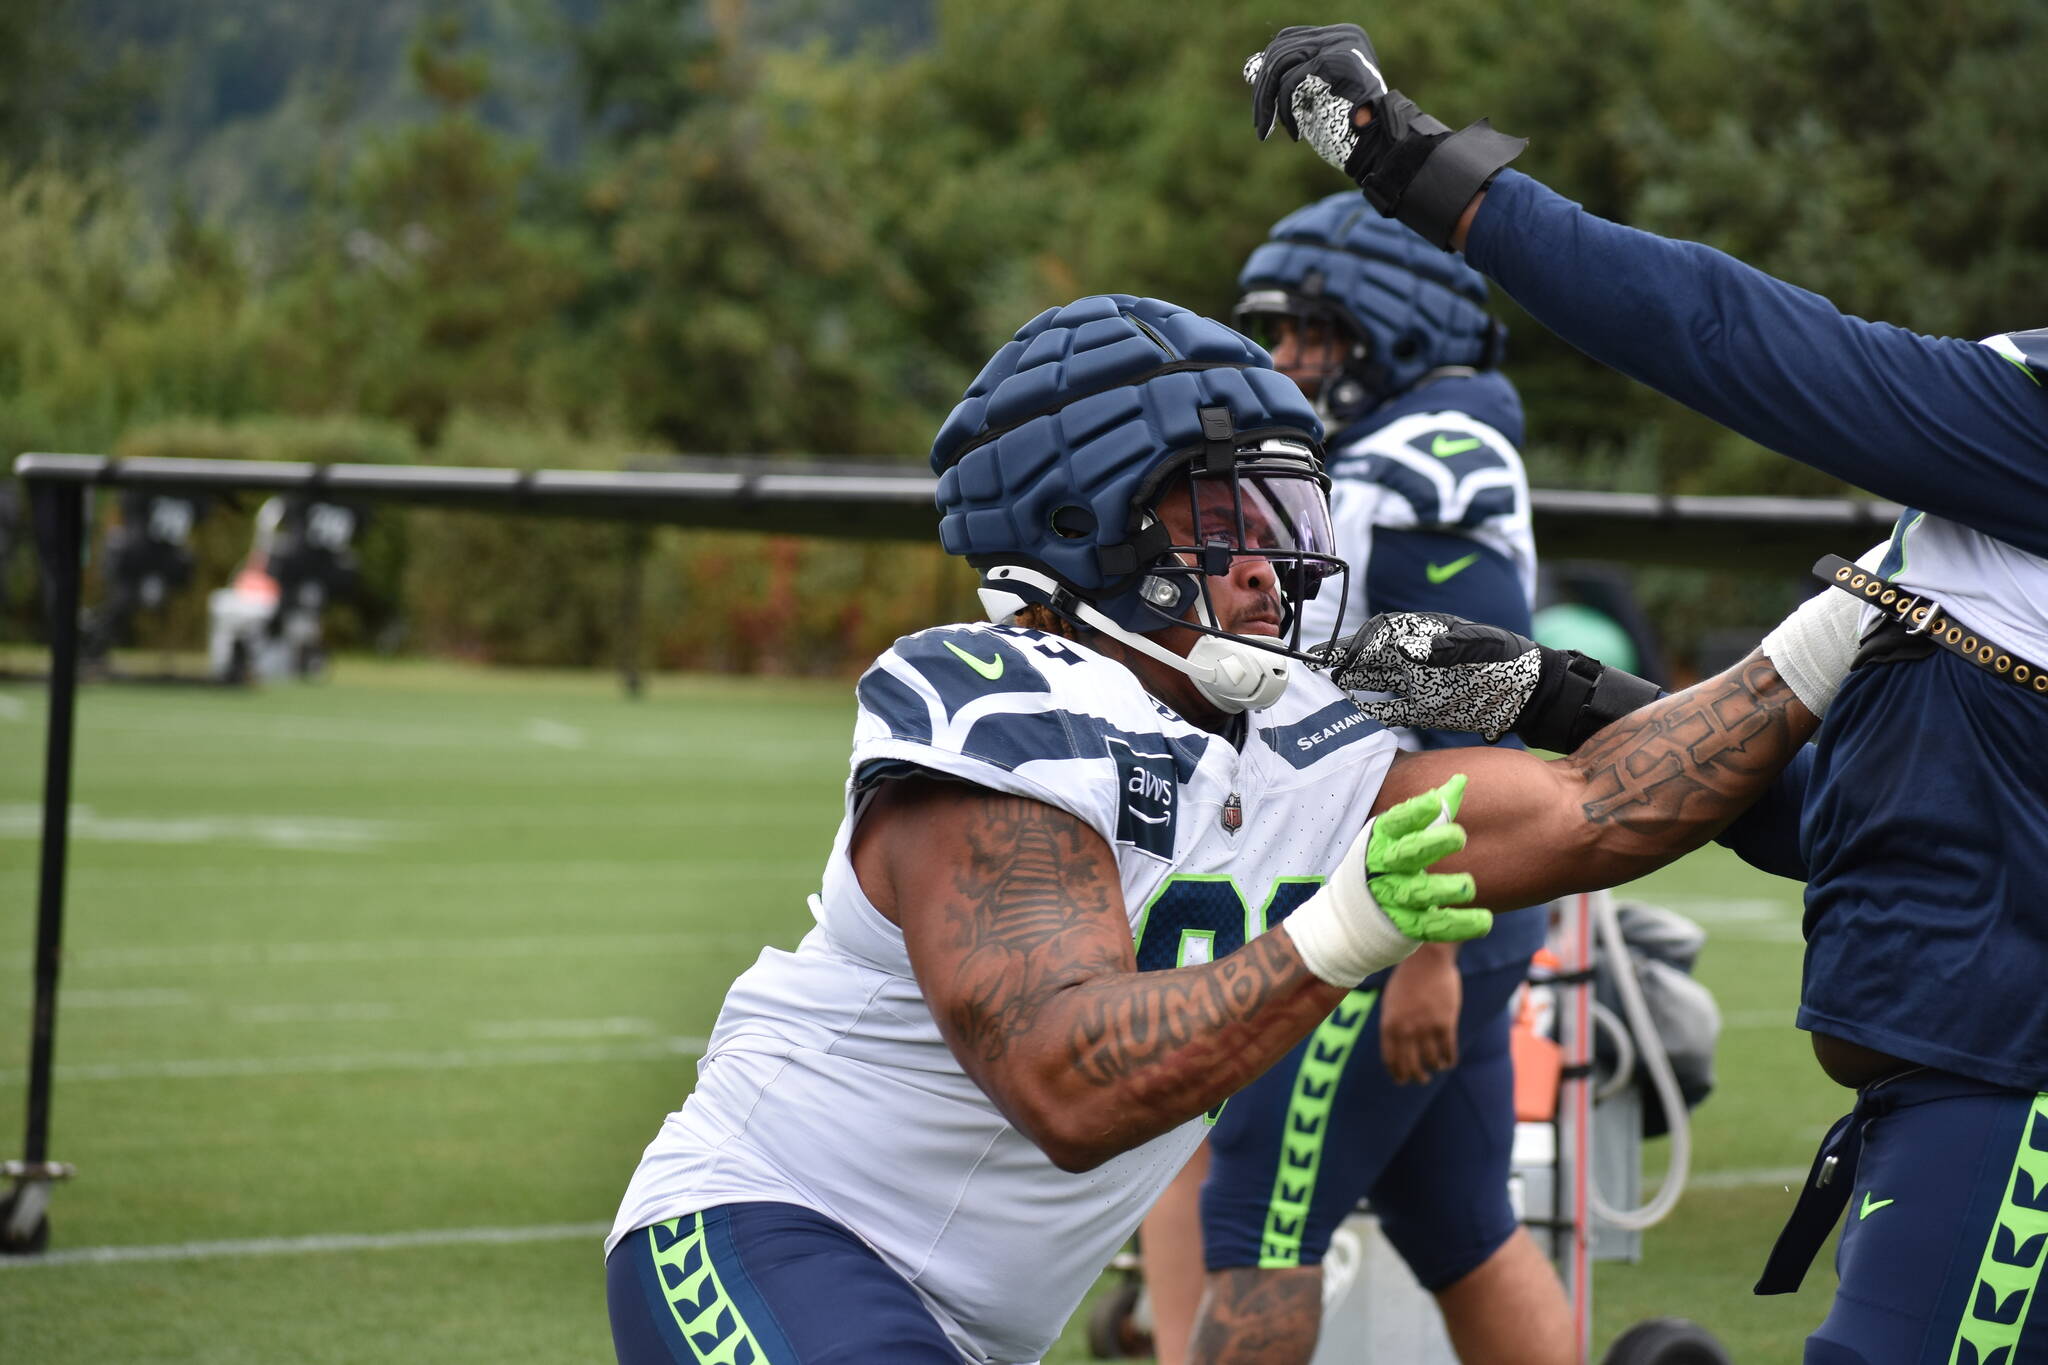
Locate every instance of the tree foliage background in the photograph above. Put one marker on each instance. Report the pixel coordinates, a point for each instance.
(801, 225)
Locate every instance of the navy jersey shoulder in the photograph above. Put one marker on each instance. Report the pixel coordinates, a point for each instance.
(1487, 396)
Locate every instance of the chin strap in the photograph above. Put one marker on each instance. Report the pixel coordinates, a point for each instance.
(1233, 675)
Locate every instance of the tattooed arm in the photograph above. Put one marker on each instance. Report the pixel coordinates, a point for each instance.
(1013, 913)
(1653, 785)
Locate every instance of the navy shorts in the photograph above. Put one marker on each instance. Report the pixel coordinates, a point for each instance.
(1943, 1248)
(763, 1284)
(1295, 1151)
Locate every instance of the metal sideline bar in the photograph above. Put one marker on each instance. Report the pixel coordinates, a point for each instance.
(894, 502)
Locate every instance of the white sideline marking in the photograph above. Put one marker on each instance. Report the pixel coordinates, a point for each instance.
(328, 833)
(394, 950)
(367, 1012)
(1747, 1177)
(506, 1030)
(302, 1246)
(454, 1059)
(11, 707)
(75, 999)
(554, 734)
(467, 874)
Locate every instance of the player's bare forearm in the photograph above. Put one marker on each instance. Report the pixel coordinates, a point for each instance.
(1013, 913)
(1643, 791)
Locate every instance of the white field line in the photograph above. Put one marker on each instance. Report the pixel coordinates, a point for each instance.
(146, 998)
(1748, 1177)
(303, 1246)
(1760, 1019)
(678, 872)
(369, 1011)
(12, 708)
(554, 734)
(389, 950)
(455, 1059)
(327, 833)
(1790, 1176)
(756, 750)
(512, 1030)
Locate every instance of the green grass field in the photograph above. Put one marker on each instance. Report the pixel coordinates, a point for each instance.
(389, 979)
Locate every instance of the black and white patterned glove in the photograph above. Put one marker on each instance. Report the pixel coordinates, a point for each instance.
(1312, 81)
(1442, 672)
(1446, 673)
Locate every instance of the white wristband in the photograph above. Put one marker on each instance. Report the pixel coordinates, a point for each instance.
(1341, 933)
(1814, 646)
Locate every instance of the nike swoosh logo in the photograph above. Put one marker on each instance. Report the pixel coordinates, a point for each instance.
(1443, 447)
(988, 668)
(1444, 573)
(1871, 1206)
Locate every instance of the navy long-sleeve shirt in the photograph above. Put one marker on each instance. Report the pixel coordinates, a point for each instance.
(1948, 426)
(1919, 817)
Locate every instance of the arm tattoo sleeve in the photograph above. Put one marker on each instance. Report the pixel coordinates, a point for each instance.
(1038, 973)
(1678, 771)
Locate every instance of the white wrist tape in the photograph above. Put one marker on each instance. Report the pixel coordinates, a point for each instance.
(1814, 646)
(1341, 933)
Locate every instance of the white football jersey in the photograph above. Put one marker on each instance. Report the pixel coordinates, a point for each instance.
(1427, 471)
(1989, 585)
(827, 1083)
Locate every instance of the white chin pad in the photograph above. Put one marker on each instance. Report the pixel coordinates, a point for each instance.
(1236, 676)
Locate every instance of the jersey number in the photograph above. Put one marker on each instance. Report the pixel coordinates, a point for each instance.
(1196, 919)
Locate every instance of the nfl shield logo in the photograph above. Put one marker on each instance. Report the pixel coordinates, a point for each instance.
(1233, 813)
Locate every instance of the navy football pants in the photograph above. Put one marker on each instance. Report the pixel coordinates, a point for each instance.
(763, 1284)
(1946, 1235)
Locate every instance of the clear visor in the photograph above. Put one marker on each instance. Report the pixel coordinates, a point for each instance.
(1273, 508)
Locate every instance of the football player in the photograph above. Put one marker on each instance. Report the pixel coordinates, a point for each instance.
(1104, 860)
(1920, 838)
(1391, 340)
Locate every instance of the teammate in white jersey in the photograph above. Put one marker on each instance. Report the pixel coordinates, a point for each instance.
(920, 1136)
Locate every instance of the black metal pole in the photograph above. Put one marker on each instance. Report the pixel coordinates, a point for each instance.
(59, 515)
(632, 610)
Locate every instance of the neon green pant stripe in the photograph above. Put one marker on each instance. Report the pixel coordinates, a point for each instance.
(697, 1300)
(1308, 1122)
(2000, 1281)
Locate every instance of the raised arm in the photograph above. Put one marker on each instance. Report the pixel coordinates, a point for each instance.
(1014, 918)
(1644, 790)
(1944, 425)
(1941, 424)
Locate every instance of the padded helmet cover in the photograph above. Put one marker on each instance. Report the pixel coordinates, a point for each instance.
(1417, 308)
(1073, 423)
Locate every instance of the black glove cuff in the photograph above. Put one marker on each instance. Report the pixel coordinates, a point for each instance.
(1575, 698)
(1459, 167)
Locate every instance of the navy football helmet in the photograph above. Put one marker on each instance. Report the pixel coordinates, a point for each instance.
(1054, 468)
(1400, 306)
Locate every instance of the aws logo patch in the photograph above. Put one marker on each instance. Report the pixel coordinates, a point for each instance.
(1147, 792)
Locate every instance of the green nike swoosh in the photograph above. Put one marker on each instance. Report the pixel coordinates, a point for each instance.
(1443, 447)
(1871, 1206)
(1444, 573)
(988, 668)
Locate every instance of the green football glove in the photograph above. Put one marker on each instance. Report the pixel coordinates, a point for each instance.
(1382, 902)
(1405, 841)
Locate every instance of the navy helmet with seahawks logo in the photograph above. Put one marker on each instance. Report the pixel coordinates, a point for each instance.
(1054, 467)
(1401, 306)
